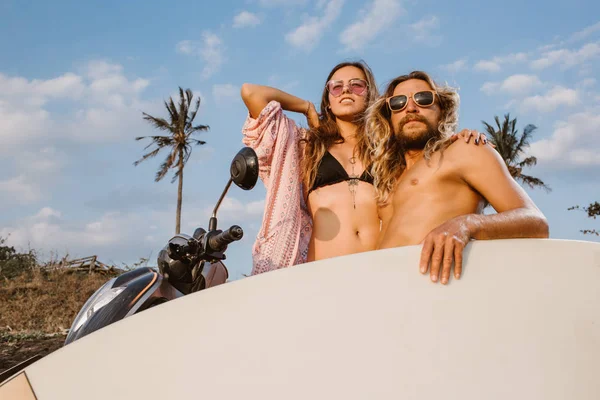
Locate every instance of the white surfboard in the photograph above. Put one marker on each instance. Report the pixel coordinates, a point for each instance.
(522, 323)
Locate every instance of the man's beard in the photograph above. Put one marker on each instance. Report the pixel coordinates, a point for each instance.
(418, 141)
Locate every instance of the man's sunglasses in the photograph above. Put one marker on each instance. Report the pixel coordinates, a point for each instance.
(356, 86)
(425, 98)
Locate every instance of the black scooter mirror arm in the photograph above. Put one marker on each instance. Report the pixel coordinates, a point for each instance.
(212, 223)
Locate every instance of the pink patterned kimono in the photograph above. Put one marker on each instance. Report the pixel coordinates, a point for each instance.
(286, 226)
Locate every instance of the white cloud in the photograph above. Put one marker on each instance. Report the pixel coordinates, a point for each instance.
(19, 126)
(588, 82)
(566, 58)
(100, 104)
(546, 47)
(308, 35)
(495, 64)
(574, 142)
(456, 66)
(113, 234)
(48, 160)
(584, 33)
(48, 230)
(186, 47)
(424, 29)
(46, 213)
(212, 54)
(490, 87)
(554, 98)
(224, 93)
(488, 66)
(36, 93)
(376, 18)
(519, 84)
(19, 190)
(246, 19)
(109, 87)
(210, 49)
(98, 69)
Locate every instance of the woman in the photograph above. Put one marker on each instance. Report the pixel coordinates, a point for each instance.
(320, 200)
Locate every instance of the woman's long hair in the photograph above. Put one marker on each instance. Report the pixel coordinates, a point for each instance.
(386, 151)
(318, 140)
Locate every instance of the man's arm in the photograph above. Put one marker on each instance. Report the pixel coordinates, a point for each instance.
(517, 216)
(483, 169)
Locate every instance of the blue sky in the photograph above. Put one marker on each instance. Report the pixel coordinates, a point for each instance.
(75, 77)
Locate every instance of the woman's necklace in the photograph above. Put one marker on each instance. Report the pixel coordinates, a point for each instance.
(353, 181)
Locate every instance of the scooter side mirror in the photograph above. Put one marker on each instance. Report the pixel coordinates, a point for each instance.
(243, 172)
(244, 168)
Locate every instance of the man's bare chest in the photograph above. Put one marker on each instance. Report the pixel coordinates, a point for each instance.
(423, 178)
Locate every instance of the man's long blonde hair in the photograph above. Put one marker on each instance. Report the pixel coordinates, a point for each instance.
(318, 140)
(386, 151)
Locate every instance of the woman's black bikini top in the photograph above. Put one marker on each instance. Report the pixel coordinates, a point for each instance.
(330, 172)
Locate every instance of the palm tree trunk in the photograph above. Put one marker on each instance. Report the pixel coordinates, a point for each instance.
(179, 194)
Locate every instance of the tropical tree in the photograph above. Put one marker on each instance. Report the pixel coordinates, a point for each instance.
(511, 145)
(178, 140)
(593, 211)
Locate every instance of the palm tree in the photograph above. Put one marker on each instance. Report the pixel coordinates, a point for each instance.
(511, 145)
(179, 140)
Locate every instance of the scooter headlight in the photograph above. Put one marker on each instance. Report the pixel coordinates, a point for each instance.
(102, 297)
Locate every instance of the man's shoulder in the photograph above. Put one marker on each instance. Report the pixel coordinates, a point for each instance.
(469, 154)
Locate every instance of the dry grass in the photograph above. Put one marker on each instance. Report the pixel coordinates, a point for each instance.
(36, 308)
(44, 301)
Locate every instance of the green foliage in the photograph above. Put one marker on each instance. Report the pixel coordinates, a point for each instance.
(511, 146)
(593, 211)
(13, 263)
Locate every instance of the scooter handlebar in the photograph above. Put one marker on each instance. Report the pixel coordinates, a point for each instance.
(219, 241)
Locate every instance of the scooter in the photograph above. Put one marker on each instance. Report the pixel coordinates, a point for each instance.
(187, 264)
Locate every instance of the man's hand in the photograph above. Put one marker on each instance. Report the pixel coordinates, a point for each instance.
(443, 245)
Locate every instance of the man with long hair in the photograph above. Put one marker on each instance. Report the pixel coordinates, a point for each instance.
(432, 190)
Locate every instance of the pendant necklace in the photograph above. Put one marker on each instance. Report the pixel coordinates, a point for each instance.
(353, 181)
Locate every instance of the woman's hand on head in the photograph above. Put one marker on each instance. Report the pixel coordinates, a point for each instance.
(312, 116)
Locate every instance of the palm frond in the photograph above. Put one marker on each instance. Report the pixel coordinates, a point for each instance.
(158, 123)
(160, 141)
(528, 162)
(183, 154)
(533, 182)
(527, 134)
(165, 166)
(173, 116)
(173, 112)
(189, 96)
(200, 128)
(147, 156)
(196, 108)
(511, 146)
(183, 110)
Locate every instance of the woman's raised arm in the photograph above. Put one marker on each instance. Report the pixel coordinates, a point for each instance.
(256, 97)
